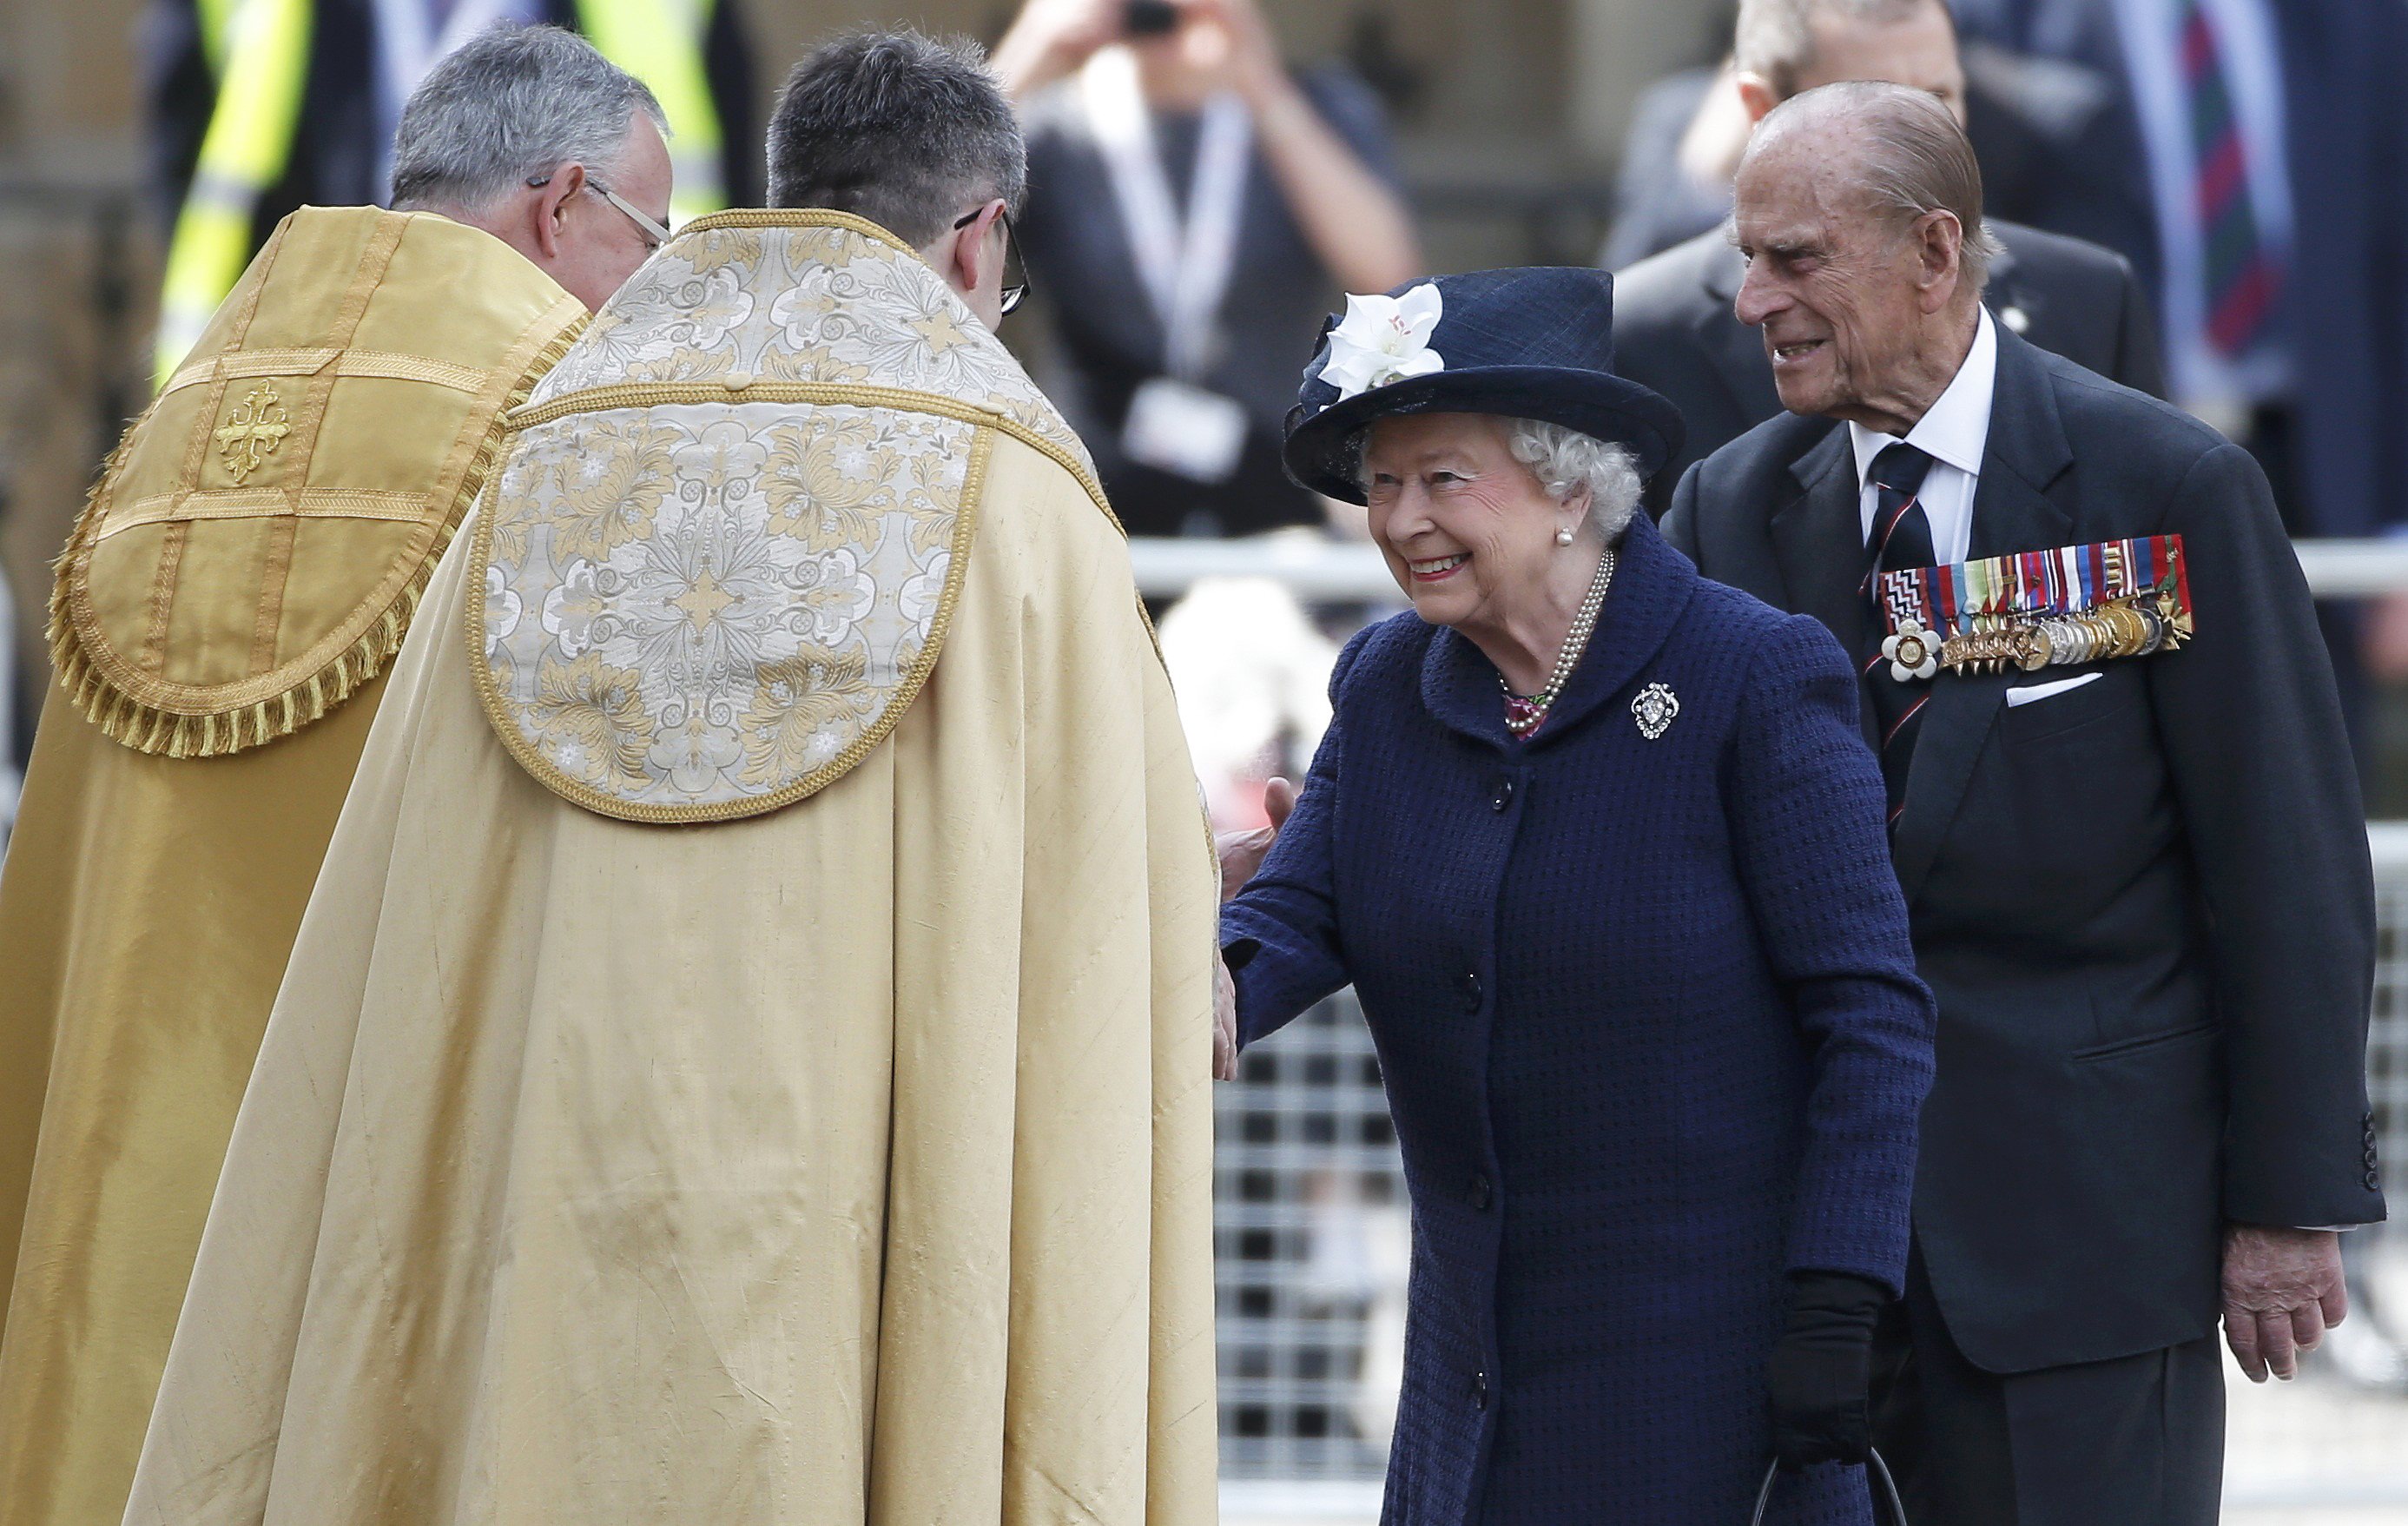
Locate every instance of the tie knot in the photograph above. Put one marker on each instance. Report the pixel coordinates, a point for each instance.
(1901, 469)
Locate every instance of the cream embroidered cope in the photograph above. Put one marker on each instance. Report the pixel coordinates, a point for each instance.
(722, 549)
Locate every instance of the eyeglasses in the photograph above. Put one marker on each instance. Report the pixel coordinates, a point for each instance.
(655, 234)
(1015, 273)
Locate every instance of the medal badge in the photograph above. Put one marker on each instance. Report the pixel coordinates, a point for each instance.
(2037, 609)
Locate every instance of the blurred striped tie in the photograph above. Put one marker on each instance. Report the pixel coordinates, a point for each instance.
(2240, 274)
(1901, 537)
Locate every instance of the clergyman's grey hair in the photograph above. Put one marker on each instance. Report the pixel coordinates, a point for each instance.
(1774, 39)
(1565, 461)
(906, 130)
(511, 104)
(1913, 158)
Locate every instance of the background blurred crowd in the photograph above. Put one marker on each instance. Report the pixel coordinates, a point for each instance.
(1209, 175)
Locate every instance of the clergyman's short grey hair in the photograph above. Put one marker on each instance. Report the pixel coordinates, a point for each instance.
(1913, 158)
(511, 104)
(1774, 39)
(906, 130)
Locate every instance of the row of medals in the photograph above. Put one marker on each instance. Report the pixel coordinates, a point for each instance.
(2133, 628)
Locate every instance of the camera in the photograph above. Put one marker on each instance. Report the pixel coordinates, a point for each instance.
(1149, 19)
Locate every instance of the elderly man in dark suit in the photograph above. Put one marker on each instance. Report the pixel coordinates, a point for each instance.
(2123, 813)
(1679, 333)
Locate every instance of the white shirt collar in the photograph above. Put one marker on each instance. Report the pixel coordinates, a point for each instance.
(1954, 430)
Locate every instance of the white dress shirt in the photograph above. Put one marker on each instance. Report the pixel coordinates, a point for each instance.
(1953, 433)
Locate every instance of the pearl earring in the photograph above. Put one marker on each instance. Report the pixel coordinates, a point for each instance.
(1564, 535)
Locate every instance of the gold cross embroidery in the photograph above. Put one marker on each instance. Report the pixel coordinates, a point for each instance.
(251, 433)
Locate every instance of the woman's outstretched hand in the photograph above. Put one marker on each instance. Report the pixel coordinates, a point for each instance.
(1243, 853)
(1224, 1021)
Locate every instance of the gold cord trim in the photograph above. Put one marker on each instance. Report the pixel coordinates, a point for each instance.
(215, 732)
(506, 724)
(377, 365)
(266, 503)
(796, 217)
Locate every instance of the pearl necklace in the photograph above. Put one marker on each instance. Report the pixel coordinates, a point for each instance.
(1525, 713)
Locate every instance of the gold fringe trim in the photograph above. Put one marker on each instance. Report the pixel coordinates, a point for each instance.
(164, 733)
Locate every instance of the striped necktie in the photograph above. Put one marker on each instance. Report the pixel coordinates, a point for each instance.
(1901, 537)
(2239, 274)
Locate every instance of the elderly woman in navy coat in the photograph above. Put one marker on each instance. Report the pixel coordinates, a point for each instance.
(1600, 847)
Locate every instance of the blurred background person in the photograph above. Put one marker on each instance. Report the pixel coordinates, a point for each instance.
(2050, 134)
(258, 106)
(1680, 333)
(1192, 205)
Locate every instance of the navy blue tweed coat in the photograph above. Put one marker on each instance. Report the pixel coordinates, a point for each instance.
(1651, 1030)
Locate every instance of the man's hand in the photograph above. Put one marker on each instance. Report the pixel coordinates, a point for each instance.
(1224, 1021)
(1052, 38)
(1243, 853)
(2283, 1290)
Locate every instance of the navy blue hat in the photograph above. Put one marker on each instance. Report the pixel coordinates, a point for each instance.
(1531, 343)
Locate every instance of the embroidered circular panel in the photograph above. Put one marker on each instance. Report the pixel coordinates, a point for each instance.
(695, 612)
(258, 542)
(721, 552)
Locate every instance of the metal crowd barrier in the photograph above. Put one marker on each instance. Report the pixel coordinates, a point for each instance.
(1321, 571)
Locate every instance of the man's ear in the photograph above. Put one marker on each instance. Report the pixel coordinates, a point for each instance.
(1756, 95)
(549, 208)
(1940, 244)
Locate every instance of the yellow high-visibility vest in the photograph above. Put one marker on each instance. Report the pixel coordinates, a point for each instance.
(259, 51)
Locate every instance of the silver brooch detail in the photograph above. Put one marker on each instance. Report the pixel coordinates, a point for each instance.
(1654, 710)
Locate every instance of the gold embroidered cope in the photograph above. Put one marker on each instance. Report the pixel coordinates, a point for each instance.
(257, 544)
(728, 534)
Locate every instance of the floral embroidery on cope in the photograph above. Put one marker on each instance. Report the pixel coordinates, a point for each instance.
(720, 557)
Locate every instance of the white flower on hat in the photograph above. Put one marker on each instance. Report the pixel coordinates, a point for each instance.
(1385, 339)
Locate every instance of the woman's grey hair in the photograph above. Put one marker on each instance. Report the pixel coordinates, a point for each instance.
(1913, 158)
(906, 130)
(1564, 461)
(510, 105)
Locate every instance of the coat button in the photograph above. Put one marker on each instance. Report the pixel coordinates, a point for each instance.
(1503, 796)
(1481, 1193)
(1480, 1391)
(1471, 987)
(2374, 1182)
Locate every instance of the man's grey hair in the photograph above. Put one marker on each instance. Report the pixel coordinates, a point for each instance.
(1914, 158)
(906, 130)
(1775, 38)
(513, 104)
(1564, 461)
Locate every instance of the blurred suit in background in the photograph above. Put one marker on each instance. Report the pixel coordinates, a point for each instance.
(2054, 142)
(2274, 151)
(231, 82)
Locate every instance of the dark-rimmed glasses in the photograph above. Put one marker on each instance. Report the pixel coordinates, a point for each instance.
(1015, 272)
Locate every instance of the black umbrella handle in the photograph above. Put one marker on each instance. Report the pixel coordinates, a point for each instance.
(1887, 1507)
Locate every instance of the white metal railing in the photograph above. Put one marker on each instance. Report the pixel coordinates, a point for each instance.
(1349, 571)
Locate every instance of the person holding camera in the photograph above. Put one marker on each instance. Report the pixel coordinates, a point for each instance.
(1192, 204)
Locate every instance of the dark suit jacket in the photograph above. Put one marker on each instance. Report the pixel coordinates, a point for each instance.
(2055, 140)
(2145, 905)
(1674, 330)
(2347, 302)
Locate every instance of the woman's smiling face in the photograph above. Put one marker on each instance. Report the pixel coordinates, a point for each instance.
(1467, 530)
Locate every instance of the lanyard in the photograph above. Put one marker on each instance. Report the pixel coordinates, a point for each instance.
(1184, 267)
